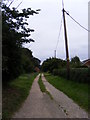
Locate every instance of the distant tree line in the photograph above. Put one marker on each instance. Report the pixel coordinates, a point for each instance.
(16, 59)
(53, 63)
(78, 73)
(56, 63)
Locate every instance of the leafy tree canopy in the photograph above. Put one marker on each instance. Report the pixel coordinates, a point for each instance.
(29, 63)
(15, 32)
(75, 62)
(53, 63)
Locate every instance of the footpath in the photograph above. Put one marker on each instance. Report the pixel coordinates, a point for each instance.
(70, 108)
(39, 105)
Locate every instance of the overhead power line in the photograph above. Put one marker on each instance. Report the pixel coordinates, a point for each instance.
(19, 4)
(76, 21)
(59, 34)
(62, 4)
(11, 3)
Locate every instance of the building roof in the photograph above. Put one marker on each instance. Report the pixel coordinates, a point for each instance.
(86, 63)
(86, 60)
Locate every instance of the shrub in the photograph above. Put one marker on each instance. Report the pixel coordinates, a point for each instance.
(81, 75)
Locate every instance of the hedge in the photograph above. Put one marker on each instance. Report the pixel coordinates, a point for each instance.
(81, 75)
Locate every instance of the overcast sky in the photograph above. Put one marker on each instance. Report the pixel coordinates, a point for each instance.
(47, 24)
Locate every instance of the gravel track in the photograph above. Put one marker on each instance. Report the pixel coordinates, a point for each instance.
(71, 109)
(39, 105)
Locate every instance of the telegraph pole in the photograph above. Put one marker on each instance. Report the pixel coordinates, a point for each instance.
(66, 44)
(55, 54)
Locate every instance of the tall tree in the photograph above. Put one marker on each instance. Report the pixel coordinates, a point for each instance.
(53, 63)
(29, 63)
(14, 33)
(75, 62)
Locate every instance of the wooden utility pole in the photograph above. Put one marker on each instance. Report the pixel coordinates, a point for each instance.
(55, 54)
(66, 44)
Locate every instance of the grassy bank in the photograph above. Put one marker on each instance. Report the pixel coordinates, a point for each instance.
(15, 94)
(77, 91)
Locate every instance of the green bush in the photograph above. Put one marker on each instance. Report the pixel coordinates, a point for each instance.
(81, 75)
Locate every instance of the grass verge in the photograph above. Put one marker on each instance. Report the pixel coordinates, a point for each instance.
(77, 91)
(42, 87)
(15, 94)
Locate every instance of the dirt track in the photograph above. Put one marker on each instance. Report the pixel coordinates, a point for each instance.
(39, 105)
(71, 109)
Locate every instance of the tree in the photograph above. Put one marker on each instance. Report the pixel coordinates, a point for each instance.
(75, 62)
(29, 63)
(14, 33)
(53, 63)
(36, 62)
(26, 60)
